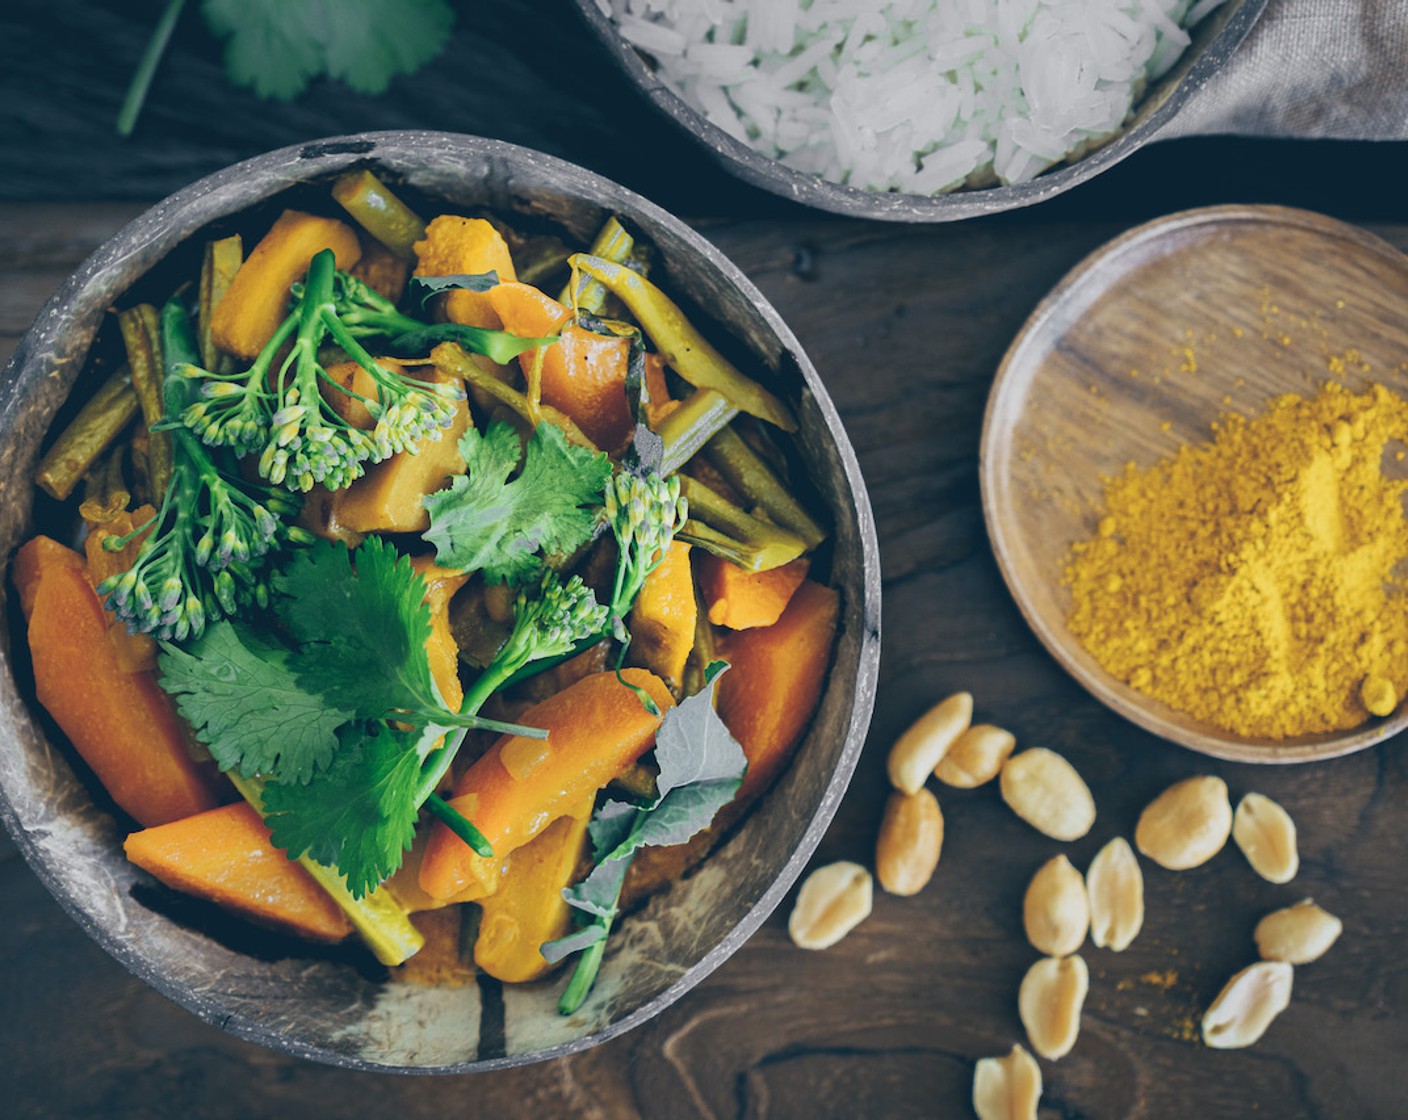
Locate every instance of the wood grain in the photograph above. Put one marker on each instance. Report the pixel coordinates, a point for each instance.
(908, 327)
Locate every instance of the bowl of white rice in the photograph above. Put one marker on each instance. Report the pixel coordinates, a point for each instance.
(920, 110)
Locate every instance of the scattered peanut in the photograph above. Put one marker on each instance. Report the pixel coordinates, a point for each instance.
(1247, 1004)
(832, 902)
(1044, 790)
(1050, 1001)
(1055, 910)
(1115, 887)
(918, 750)
(1298, 934)
(977, 757)
(1187, 824)
(1007, 1088)
(911, 837)
(1267, 836)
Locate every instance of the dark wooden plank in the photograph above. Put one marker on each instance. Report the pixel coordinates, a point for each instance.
(907, 327)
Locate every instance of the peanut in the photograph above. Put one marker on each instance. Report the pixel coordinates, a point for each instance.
(1298, 934)
(1267, 836)
(977, 757)
(1007, 1088)
(911, 838)
(1050, 1001)
(1044, 790)
(918, 750)
(832, 902)
(1247, 1004)
(1187, 824)
(1055, 910)
(1115, 886)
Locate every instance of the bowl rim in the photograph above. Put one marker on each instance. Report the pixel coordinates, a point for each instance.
(1145, 712)
(772, 175)
(253, 180)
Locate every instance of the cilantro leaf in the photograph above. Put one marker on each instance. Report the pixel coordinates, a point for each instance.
(363, 629)
(239, 696)
(277, 46)
(485, 523)
(360, 815)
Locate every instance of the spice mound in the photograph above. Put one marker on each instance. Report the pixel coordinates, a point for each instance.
(1253, 582)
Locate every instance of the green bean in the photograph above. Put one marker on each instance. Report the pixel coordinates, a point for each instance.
(747, 473)
(222, 260)
(614, 244)
(96, 427)
(141, 334)
(700, 417)
(379, 212)
(718, 526)
(686, 351)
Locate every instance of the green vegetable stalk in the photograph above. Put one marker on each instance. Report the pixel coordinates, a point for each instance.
(212, 532)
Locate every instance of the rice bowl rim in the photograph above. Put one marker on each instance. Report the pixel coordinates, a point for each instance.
(1152, 112)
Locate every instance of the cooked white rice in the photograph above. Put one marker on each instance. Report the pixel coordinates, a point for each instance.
(919, 96)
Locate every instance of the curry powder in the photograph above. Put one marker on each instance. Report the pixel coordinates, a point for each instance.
(1253, 582)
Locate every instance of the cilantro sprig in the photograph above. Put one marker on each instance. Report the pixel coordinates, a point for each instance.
(277, 47)
(701, 769)
(484, 522)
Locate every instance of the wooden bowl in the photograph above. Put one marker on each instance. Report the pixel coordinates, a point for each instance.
(1214, 41)
(337, 1006)
(1137, 351)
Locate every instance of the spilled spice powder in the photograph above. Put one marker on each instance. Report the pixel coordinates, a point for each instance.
(1251, 582)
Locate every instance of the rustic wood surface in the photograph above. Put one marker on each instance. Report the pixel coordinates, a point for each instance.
(907, 326)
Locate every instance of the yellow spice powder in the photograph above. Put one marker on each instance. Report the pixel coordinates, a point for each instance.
(1251, 582)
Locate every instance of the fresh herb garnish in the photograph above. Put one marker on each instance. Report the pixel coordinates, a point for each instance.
(701, 769)
(484, 522)
(345, 724)
(276, 47)
(212, 533)
(423, 287)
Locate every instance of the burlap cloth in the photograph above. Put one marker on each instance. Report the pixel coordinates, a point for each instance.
(1326, 69)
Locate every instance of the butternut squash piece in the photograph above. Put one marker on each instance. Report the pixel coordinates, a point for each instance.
(404, 884)
(388, 497)
(224, 855)
(455, 246)
(135, 652)
(596, 729)
(583, 375)
(122, 724)
(663, 618)
(658, 404)
(382, 270)
(319, 517)
(440, 587)
(742, 600)
(768, 696)
(257, 300)
(528, 908)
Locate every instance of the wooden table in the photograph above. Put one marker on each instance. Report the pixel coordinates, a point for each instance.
(907, 326)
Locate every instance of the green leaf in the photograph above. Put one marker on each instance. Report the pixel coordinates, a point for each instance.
(360, 815)
(423, 287)
(497, 346)
(693, 745)
(485, 523)
(277, 47)
(363, 623)
(243, 703)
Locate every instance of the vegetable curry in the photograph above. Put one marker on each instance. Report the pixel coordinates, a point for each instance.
(407, 586)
